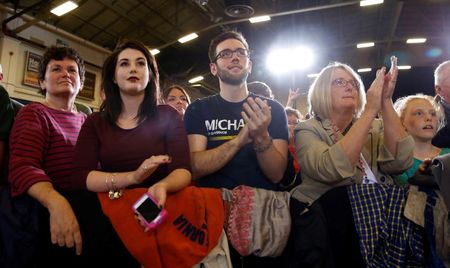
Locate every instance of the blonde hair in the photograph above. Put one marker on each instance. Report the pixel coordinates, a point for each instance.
(401, 104)
(319, 95)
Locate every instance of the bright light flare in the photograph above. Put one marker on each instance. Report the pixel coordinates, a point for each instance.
(288, 59)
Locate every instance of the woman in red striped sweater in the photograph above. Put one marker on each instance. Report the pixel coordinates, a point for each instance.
(42, 143)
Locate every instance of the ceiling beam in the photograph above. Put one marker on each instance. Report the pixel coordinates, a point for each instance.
(137, 23)
(89, 19)
(41, 9)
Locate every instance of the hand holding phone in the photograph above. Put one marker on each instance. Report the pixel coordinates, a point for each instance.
(148, 212)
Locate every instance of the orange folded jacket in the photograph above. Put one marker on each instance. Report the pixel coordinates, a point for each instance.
(191, 230)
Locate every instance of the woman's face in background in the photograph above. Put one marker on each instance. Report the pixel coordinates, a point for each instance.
(177, 100)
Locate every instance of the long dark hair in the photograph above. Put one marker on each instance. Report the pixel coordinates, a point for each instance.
(112, 105)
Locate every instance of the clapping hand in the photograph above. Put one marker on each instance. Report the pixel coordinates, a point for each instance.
(257, 115)
(390, 80)
(375, 92)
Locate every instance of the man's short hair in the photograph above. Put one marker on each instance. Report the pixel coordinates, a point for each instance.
(260, 88)
(222, 37)
(437, 73)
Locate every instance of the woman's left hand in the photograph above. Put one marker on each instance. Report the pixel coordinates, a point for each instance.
(390, 80)
(159, 191)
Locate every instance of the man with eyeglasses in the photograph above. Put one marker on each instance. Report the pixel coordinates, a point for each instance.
(442, 87)
(236, 137)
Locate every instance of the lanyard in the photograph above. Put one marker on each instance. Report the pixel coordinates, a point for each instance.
(368, 176)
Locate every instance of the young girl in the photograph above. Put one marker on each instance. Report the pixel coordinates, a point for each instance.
(420, 116)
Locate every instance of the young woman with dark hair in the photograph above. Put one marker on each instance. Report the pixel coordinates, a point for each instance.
(133, 141)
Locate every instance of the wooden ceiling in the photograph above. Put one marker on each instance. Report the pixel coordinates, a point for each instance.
(331, 27)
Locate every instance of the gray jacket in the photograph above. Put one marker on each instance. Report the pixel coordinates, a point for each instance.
(324, 165)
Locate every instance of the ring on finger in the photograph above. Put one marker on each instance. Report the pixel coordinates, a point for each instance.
(145, 167)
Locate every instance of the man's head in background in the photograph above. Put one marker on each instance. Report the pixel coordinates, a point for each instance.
(260, 88)
(442, 81)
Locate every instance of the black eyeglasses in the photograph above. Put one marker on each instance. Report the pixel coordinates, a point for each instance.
(341, 82)
(228, 53)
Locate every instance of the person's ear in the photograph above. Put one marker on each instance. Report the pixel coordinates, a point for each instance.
(438, 90)
(213, 68)
(42, 84)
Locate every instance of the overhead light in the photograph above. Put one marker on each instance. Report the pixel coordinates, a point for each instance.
(363, 45)
(364, 70)
(259, 19)
(370, 2)
(416, 40)
(187, 38)
(154, 51)
(64, 8)
(404, 67)
(312, 75)
(195, 79)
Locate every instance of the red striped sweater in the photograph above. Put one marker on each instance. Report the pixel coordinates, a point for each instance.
(42, 144)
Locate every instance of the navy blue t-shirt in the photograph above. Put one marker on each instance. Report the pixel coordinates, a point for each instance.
(221, 121)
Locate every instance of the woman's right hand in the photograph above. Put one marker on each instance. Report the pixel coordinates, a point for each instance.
(64, 228)
(149, 166)
(375, 93)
